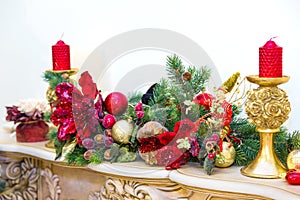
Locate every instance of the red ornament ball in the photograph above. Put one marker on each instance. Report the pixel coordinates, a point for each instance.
(116, 103)
(108, 121)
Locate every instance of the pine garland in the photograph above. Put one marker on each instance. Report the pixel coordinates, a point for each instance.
(171, 101)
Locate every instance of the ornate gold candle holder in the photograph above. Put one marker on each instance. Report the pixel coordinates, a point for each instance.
(50, 94)
(268, 108)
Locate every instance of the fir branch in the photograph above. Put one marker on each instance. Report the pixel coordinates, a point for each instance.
(134, 98)
(199, 78)
(76, 157)
(97, 156)
(175, 69)
(58, 144)
(293, 141)
(250, 148)
(243, 129)
(53, 78)
(241, 158)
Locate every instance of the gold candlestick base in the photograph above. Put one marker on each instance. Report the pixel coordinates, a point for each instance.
(267, 108)
(266, 164)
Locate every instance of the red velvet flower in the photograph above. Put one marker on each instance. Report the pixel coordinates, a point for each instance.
(64, 91)
(12, 113)
(204, 99)
(149, 144)
(66, 129)
(166, 137)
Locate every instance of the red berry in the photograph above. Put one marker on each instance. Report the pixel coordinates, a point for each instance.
(108, 121)
(210, 155)
(140, 114)
(116, 103)
(138, 107)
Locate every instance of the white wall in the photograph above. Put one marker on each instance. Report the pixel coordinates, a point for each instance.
(229, 31)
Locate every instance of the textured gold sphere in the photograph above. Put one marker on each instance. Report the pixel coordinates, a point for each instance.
(121, 131)
(293, 159)
(50, 94)
(227, 156)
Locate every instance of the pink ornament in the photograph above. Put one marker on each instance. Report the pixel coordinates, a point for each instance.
(270, 60)
(61, 56)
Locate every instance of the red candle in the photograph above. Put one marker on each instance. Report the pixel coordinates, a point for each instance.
(270, 60)
(61, 56)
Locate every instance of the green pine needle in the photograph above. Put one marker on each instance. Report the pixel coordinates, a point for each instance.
(54, 78)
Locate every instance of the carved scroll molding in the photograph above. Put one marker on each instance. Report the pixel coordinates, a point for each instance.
(21, 178)
(52, 181)
(125, 189)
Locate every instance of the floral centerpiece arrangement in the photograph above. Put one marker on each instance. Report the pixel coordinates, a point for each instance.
(29, 115)
(174, 122)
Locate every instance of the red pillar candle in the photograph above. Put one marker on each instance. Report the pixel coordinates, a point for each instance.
(61, 56)
(270, 60)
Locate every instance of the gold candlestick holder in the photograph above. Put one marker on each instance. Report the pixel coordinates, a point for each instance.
(268, 108)
(50, 94)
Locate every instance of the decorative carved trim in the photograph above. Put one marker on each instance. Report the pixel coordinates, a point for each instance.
(52, 182)
(21, 180)
(125, 189)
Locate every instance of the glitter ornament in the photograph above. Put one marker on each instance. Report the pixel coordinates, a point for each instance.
(116, 103)
(121, 131)
(293, 159)
(227, 156)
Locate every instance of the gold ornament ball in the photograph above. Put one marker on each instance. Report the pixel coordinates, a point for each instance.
(121, 131)
(293, 159)
(226, 157)
(50, 94)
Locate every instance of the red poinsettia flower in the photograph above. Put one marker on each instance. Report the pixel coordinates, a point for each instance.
(88, 87)
(75, 112)
(171, 157)
(184, 128)
(204, 99)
